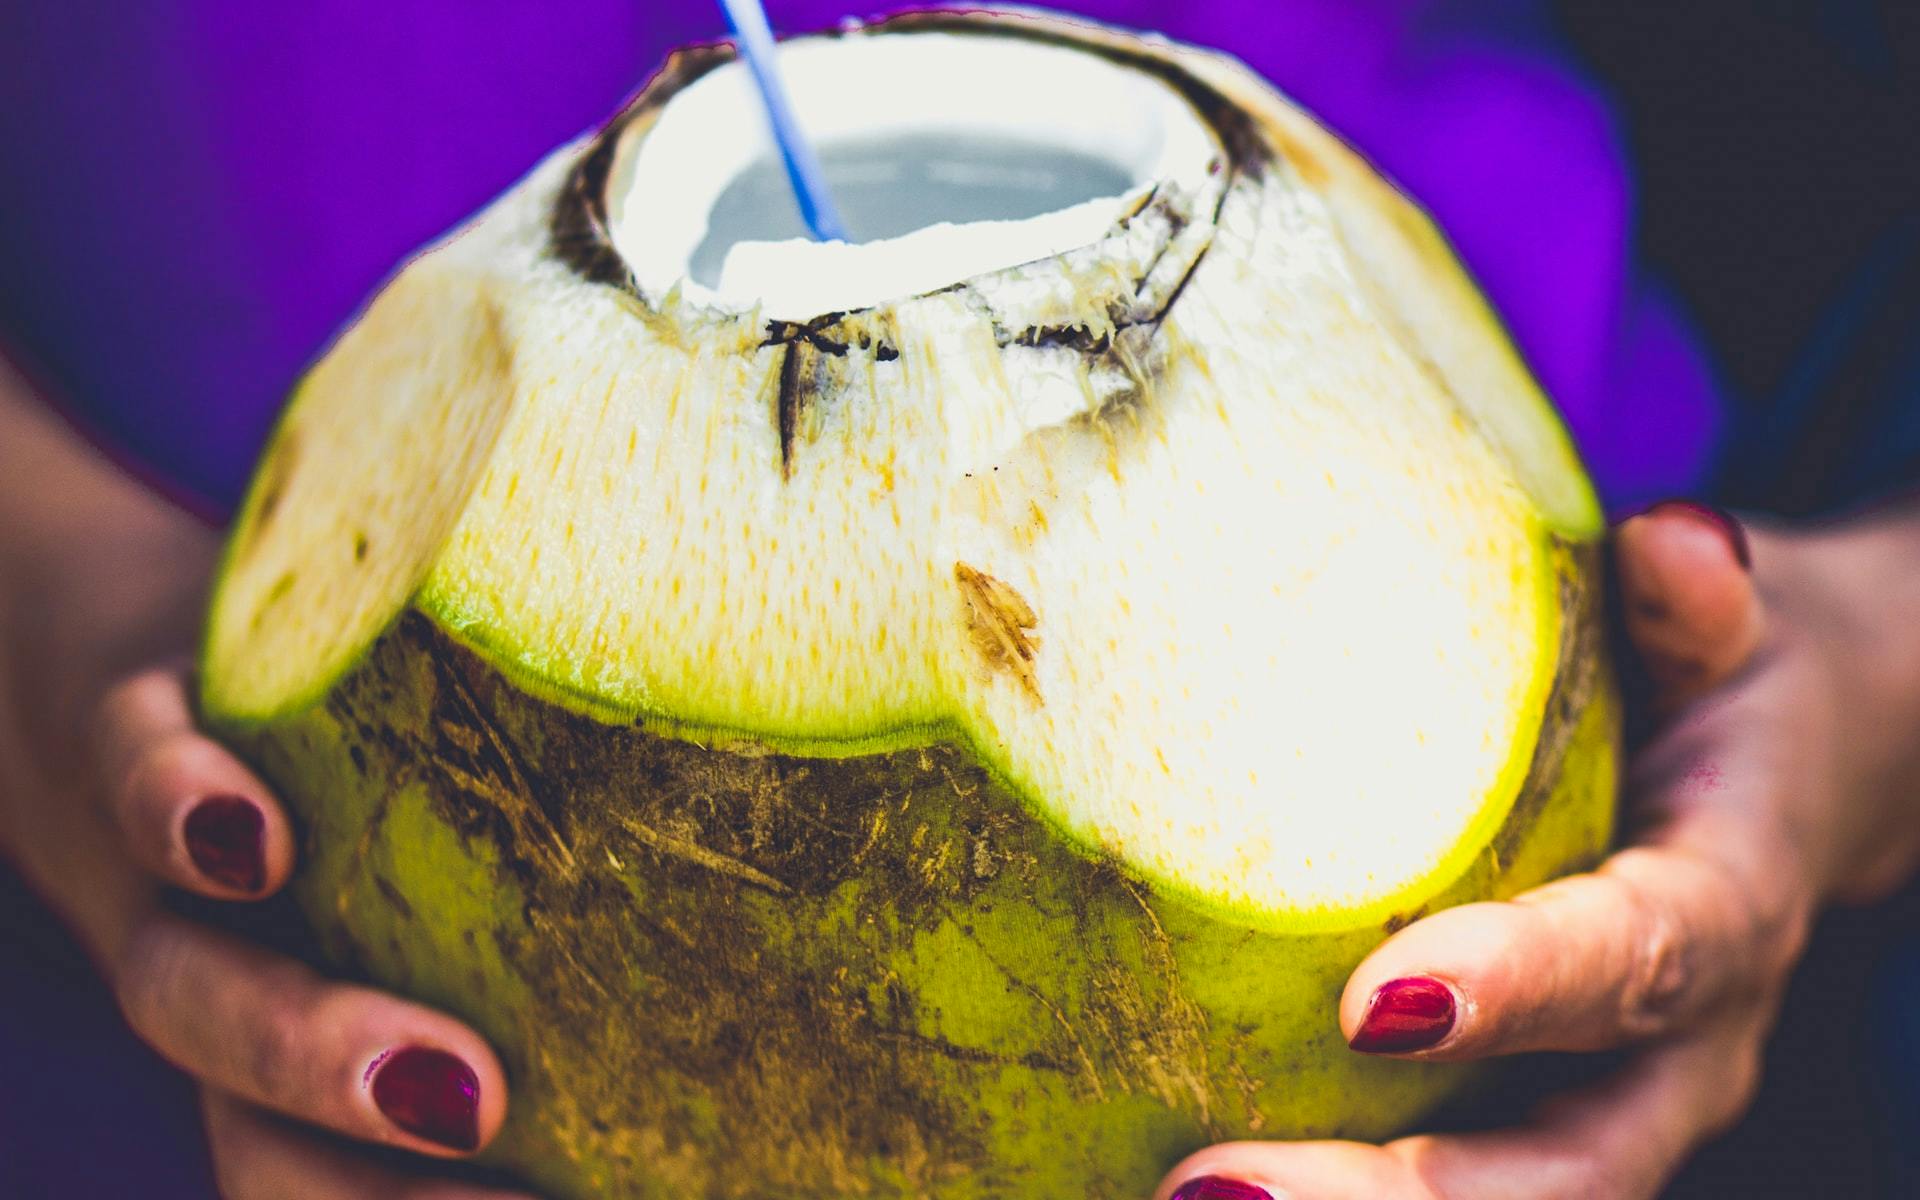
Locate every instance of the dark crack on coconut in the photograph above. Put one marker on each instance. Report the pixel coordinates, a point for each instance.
(820, 360)
(789, 403)
(1154, 294)
(831, 334)
(1113, 337)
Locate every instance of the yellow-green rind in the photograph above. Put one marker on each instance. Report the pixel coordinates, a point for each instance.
(292, 612)
(871, 1001)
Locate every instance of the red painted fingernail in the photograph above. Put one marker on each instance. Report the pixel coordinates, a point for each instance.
(1406, 1014)
(1219, 1187)
(223, 835)
(430, 1094)
(1727, 525)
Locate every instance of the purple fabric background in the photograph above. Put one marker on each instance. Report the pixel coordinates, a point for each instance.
(198, 192)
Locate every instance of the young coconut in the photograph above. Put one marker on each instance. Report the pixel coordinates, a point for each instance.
(932, 717)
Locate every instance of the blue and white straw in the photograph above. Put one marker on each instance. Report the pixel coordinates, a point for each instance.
(748, 19)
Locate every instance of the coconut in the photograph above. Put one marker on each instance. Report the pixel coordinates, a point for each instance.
(934, 716)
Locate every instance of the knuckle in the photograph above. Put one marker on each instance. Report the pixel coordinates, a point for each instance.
(1424, 1172)
(272, 1062)
(1762, 914)
(1660, 967)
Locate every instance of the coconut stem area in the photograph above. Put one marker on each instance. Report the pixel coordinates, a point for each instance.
(950, 157)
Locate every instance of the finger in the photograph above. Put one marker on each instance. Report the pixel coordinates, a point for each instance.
(272, 1032)
(1643, 946)
(257, 1156)
(1689, 603)
(187, 809)
(1713, 898)
(1621, 1140)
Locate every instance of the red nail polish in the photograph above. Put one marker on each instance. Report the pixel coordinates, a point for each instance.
(1406, 1014)
(1724, 522)
(430, 1094)
(223, 835)
(1219, 1187)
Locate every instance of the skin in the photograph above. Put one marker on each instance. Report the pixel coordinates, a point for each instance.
(1775, 786)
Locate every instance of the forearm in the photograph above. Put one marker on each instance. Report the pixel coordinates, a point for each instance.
(97, 576)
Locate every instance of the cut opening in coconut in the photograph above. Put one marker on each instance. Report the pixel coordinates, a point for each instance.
(949, 156)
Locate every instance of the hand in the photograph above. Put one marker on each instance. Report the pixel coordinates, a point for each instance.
(1777, 784)
(109, 796)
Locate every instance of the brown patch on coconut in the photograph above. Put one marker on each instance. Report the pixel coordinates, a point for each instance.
(1000, 624)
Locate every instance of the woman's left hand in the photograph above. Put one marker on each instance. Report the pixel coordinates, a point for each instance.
(1783, 779)
(112, 801)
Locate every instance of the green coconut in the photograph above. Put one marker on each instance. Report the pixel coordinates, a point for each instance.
(934, 717)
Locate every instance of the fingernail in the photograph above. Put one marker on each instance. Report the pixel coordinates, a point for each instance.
(430, 1094)
(1406, 1014)
(1219, 1187)
(1728, 526)
(223, 835)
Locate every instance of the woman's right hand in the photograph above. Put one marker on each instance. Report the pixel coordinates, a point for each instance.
(1782, 780)
(109, 796)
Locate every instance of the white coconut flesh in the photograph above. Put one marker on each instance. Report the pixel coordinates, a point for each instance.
(1270, 615)
(1054, 122)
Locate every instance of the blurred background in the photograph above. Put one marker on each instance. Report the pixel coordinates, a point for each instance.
(1700, 219)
